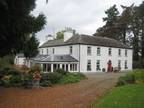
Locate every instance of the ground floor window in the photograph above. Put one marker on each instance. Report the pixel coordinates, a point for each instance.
(119, 64)
(98, 65)
(73, 67)
(126, 64)
(89, 65)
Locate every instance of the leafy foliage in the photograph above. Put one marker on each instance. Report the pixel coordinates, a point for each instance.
(16, 22)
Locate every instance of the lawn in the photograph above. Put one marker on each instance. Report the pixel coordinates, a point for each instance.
(128, 96)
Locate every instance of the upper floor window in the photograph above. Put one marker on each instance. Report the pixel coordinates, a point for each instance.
(53, 50)
(88, 50)
(98, 65)
(71, 49)
(89, 65)
(126, 53)
(119, 52)
(98, 51)
(47, 51)
(42, 51)
(110, 51)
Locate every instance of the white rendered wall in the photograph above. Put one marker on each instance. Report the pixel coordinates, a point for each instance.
(104, 58)
(19, 61)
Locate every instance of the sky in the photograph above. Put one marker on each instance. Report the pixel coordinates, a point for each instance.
(85, 16)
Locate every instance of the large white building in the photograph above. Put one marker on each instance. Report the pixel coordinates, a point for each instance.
(83, 53)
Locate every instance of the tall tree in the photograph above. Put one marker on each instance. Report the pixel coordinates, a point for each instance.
(141, 15)
(110, 28)
(16, 22)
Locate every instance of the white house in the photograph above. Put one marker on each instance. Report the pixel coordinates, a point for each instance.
(19, 60)
(83, 53)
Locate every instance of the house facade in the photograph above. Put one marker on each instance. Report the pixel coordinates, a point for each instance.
(83, 53)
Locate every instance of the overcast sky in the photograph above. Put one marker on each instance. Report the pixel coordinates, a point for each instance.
(85, 16)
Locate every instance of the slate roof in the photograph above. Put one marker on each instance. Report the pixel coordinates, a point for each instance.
(87, 40)
(54, 58)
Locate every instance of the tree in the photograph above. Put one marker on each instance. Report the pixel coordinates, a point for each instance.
(60, 35)
(16, 22)
(112, 16)
(110, 28)
(31, 47)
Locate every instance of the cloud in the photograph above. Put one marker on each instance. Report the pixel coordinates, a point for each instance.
(83, 15)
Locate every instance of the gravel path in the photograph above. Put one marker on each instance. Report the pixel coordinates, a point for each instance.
(78, 95)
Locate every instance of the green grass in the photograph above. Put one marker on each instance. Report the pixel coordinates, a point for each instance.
(128, 96)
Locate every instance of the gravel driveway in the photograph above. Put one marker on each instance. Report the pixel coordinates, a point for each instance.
(78, 95)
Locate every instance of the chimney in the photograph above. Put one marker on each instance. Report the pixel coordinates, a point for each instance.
(49, 37)
(69, 32)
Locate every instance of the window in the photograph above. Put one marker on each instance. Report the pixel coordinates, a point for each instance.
(119, 64)
(126, 64)
(42, 51)
(126, 53)
(98, 65)
(110, 51)
(53, 50)
(119, 52)
(73, 67)
(89, 65)
(89, 50)
(47, 51)
(98, 51)
(71, 49)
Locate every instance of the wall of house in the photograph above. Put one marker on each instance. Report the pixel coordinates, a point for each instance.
(20, 61)
(104, 58)
(61, 50)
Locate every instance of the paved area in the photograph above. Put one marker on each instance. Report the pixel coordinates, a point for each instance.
(78, 95)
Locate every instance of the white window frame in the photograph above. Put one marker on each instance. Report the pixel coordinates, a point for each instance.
(71, 49)
(88, 65)
(98, 65)
(89, 50)
(98, 51)
(110, 51)
(119, 52)
(126, 52)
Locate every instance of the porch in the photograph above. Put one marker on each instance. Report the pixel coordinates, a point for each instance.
(50, 63)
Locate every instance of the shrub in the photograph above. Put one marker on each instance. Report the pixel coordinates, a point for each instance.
(128, 79)
(137, 76)
(72, 78)
(61, 71)
(51, 77)
(45, 83)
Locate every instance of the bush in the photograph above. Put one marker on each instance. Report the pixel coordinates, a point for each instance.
(10, 77)
(45, 83)
(137, 76)
(72, 78)
(61, 71)
(51, 77)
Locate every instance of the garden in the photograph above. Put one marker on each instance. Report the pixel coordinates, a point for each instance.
(128, 92)
(12, 77)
